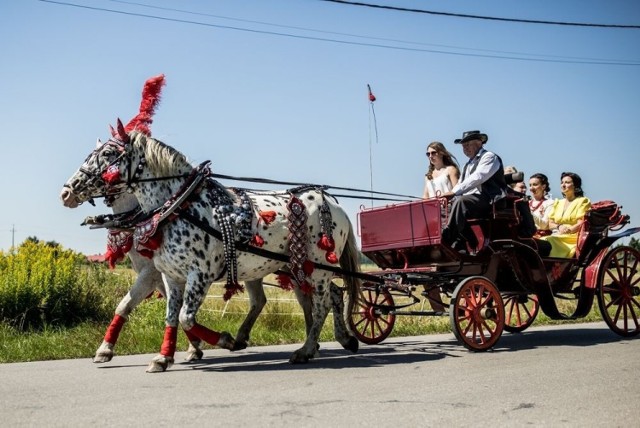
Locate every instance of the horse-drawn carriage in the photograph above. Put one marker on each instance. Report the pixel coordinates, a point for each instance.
(501, 283)
(198, 231)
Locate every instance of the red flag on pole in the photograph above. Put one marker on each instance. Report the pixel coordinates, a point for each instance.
(372, 97)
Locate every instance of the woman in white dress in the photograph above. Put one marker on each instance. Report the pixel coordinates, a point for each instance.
(540, 203)
(443, 172)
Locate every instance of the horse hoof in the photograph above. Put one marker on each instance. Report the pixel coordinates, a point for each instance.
(226, 341)
(239, 346)
(352, 345)
(193, 355)
(104, 354)
(160, 364)
(299, 358)
(103, 357)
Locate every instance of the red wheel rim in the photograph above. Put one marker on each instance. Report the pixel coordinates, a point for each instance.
(619, 291)
(477, 313)
(519, 311)
(368, 324)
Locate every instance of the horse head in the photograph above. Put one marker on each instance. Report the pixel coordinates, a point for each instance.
(106, 172)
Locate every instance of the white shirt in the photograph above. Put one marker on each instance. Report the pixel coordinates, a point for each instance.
(487, 165)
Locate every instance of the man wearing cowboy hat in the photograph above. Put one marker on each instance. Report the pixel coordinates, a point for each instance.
(481, 184)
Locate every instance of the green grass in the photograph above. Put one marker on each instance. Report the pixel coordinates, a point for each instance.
(280, 323)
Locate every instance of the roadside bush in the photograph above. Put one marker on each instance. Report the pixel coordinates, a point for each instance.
(44, 285)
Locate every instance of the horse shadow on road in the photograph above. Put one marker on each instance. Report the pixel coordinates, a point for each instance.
(399, 351)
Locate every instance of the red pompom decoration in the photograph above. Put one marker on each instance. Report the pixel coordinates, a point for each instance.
(257, 241)
(112, 175)
(268, 216)
(326, 243)
(331, 257)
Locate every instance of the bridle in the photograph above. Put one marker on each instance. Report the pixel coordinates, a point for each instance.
(108, 181)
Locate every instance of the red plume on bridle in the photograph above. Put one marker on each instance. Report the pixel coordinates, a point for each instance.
(150, 100)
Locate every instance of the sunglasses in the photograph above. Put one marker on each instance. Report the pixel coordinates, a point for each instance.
(432, 153)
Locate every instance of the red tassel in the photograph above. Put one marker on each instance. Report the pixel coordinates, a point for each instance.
(326, 243)
(153, 243)
(231, 291)
(257, 241)
(307, 267)
(285, 281)
(331, 257)
(306, 288)
(145, 253)
(268, 216)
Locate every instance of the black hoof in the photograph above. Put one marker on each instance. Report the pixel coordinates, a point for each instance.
(239, 346)
(352, 345)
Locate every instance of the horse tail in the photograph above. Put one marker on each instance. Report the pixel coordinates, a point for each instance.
(350, 262)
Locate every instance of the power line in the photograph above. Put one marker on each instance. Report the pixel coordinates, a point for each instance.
(521, 57)
(490, 18)
(358, 36)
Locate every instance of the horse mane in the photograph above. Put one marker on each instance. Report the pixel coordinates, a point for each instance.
(162, 159)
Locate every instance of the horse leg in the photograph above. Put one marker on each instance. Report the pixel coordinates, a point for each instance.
(194, 297)
(321, 305)
(257, 300)
(165, 358)
(147, 281)
(306, 303)
(342, 333)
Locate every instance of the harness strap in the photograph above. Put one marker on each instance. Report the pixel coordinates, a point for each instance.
(245, 247)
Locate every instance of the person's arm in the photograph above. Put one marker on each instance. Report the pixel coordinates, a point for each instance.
(425, 193)
(487, 166)
(453, 175)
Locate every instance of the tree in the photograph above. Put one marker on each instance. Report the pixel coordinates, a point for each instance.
(635, 243)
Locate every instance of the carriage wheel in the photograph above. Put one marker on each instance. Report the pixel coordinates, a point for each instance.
(477, 313)
(619, 291)
(520, 310)
(368, 323)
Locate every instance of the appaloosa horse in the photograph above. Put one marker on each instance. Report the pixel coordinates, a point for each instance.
(199, 231)
(149, 279)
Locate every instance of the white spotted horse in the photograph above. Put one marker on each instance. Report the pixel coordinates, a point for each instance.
(199, 231)
(148, 278)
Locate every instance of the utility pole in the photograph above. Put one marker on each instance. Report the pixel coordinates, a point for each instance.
(13, 235)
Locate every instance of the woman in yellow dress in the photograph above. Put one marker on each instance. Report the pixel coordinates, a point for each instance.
(566, 216)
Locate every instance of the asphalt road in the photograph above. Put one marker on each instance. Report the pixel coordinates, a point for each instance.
(575, 375)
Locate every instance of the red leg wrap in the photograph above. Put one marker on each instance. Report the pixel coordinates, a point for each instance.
(113, 331)
(169, 343)
(209, 336)
(192, 337)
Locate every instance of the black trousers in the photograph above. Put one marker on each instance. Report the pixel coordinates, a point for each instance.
(465, 207)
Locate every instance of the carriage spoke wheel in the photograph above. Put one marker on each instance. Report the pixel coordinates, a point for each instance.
(619, 291)
(368, 323)
(477, 313)
(520, 310)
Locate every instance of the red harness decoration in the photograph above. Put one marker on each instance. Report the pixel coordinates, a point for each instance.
(119, 242)
(298, 241)
(148, 237)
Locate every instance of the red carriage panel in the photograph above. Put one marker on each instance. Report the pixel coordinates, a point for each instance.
(407, 225)
(402, 235)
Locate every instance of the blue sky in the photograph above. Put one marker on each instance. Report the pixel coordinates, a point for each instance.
(278, 89)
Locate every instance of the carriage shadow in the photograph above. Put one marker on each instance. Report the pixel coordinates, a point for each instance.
(407, 351)
(572, 335)
(368, 356)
